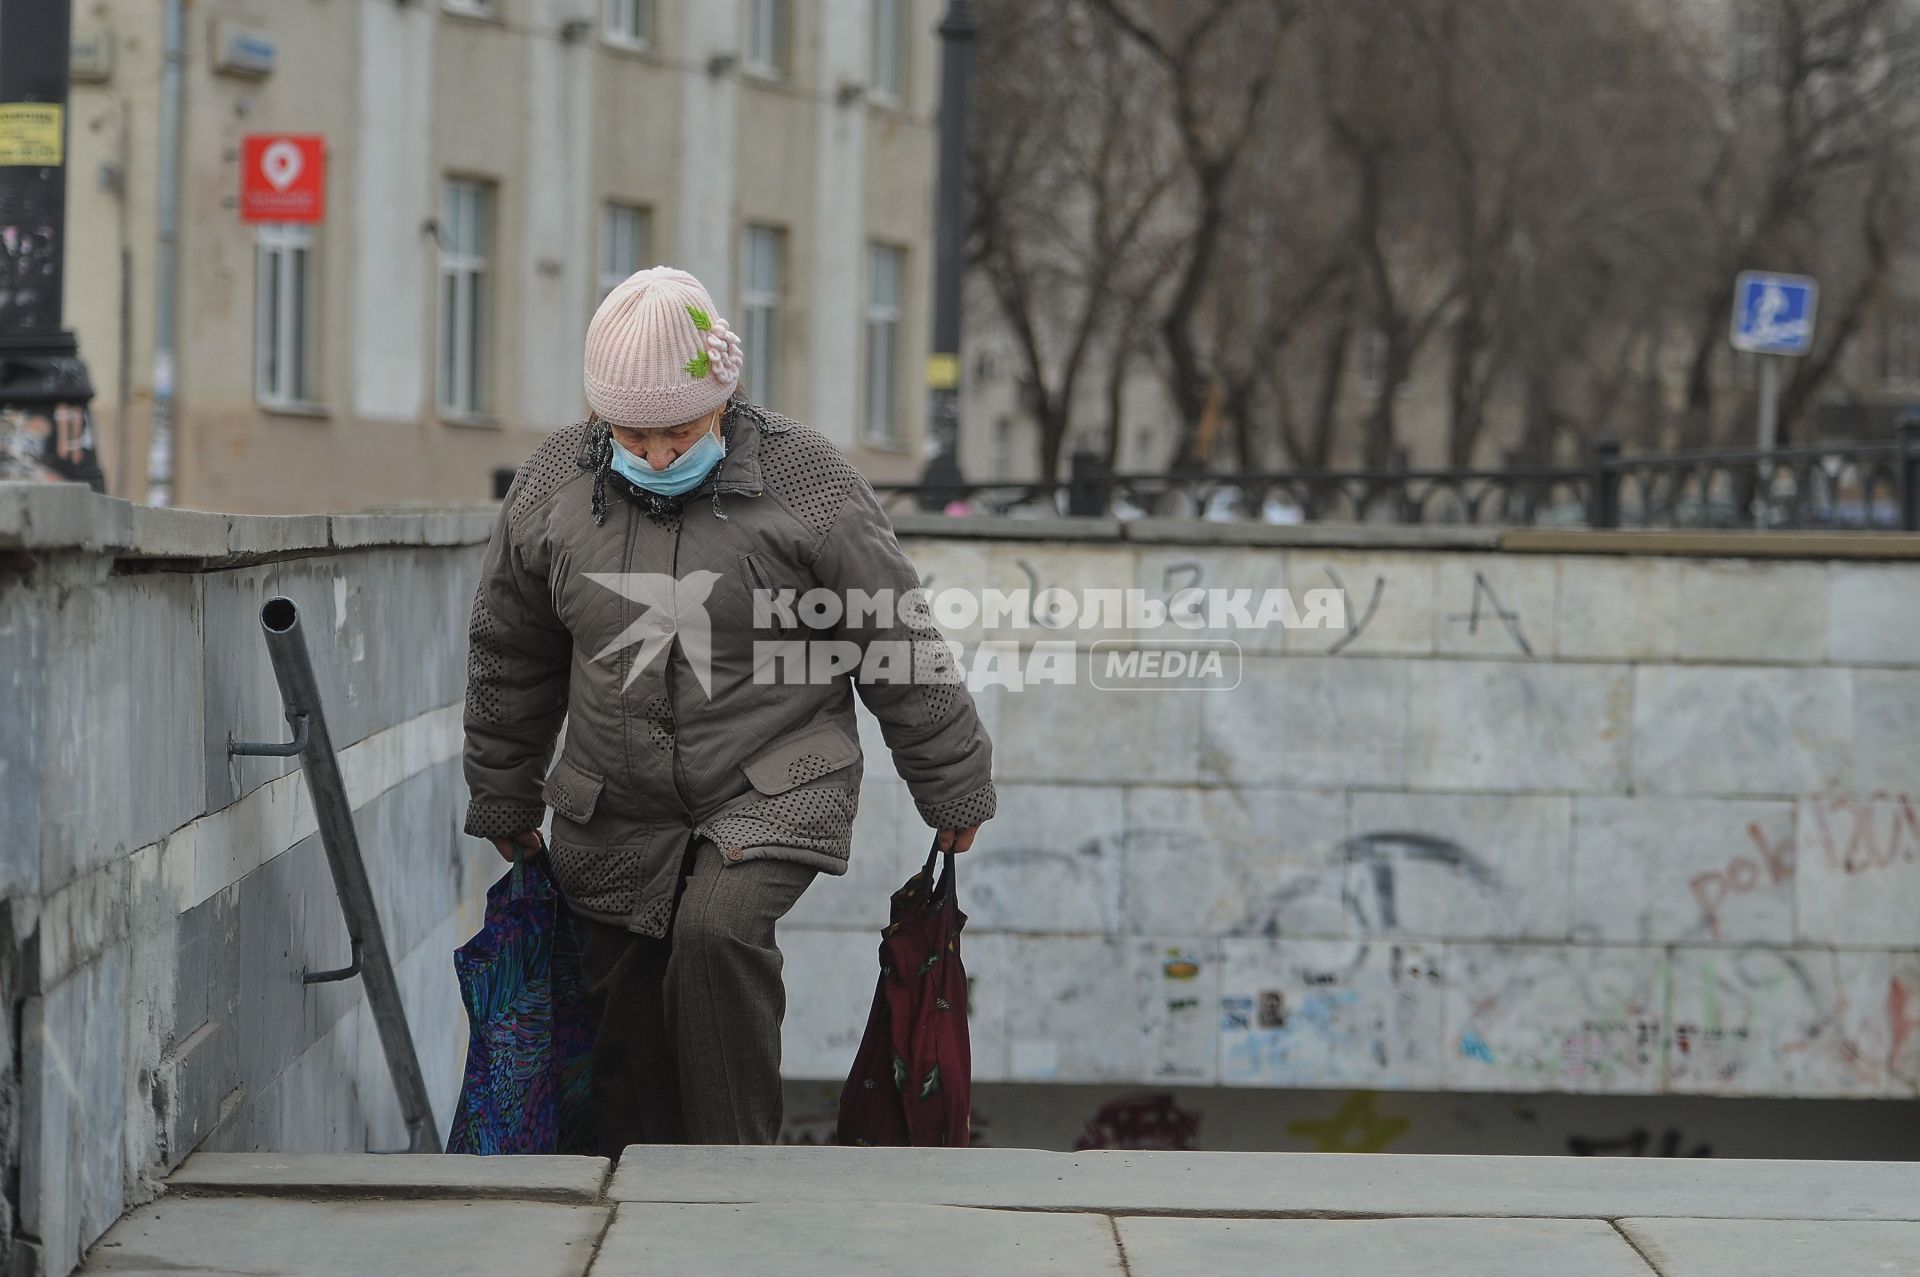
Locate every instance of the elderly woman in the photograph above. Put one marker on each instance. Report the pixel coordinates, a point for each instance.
(694, 799)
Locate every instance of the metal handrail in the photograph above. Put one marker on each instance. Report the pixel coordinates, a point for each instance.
(1842, 485)
(293, 670)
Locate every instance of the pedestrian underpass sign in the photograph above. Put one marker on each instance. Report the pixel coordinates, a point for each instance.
(1773, 314)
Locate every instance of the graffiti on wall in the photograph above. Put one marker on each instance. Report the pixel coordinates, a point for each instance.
(1863, 835)
(1770, 864)
(54, 446)
(29, 276)
(1635, 1143)
(1355, 1127)
(1830, 1022)
(1141, 1122)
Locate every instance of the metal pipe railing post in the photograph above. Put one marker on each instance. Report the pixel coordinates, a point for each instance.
(1605, 511)
(292, 668)
(1909, 476)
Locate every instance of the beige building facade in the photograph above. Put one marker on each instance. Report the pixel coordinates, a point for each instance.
(492, 166)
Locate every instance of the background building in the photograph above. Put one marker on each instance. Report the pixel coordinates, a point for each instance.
(493, 166)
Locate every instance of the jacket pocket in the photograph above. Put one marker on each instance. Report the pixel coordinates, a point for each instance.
(572, 791)
(799, 759)
(765, 590)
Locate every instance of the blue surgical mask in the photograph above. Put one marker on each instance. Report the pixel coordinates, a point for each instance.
(687, 472)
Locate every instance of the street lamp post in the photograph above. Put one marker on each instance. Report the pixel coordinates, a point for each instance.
(46, 429)
(942, 474)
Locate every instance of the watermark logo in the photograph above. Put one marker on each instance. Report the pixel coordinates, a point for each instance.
(1054, 609)
(1165, 665)
(675, 608)
(882, 637)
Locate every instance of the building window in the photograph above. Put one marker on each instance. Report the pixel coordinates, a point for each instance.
(886, 271)
(1001, 466)
(768, 35)
(888, 73)
(282, 314)
(623, 243)
(762, 280)
(472, 8)
(628, 23)
(465, 214)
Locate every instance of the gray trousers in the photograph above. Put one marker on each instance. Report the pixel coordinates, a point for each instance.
(688, 1045)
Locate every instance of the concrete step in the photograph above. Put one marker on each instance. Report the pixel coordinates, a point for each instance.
(534, 1179)
(853, 1239)
(1279, 1184)
(1482, 1247)
(824, 1212)
(1741, 1248)
(351, 1238)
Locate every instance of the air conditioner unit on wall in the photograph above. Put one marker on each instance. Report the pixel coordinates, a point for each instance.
(243, 50)
(90, 57)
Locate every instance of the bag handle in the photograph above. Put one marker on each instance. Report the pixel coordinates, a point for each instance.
(518, 887)
(945, 886)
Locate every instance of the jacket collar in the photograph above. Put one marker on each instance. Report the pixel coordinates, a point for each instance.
(739, 472)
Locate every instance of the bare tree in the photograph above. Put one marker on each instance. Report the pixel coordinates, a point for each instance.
(1063, 195)
(1815, 110)
(1531, 212)
(1219, 60)
(1595, 246)
(1376, 97)
(1283, 267)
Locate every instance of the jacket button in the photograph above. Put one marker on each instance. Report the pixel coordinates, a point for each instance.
(733, 853)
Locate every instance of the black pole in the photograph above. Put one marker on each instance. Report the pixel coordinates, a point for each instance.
(1089, 485)
(1909, 476)
(1604, 512)
(46, 429)
(942, 475)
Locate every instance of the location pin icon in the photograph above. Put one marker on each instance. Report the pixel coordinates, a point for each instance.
(281, 164)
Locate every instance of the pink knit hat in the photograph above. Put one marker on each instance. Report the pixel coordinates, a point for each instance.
(657, 353)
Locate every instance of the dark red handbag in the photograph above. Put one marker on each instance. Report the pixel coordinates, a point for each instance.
(912, 1079)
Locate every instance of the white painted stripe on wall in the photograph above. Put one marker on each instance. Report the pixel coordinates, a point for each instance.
(206, 856)
(214, 852)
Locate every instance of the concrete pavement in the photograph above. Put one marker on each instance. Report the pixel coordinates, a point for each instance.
(829, 1212)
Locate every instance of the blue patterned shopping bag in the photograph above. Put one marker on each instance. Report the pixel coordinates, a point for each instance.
(530, 1024)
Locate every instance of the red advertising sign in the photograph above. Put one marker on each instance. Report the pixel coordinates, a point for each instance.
(283, 178)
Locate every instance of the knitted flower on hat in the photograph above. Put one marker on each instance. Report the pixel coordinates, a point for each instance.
(720, 356)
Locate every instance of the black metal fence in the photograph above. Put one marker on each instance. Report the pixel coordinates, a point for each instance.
(1872, 486)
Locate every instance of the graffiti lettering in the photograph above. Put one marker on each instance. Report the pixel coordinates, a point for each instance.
(1507, 617)
(1633, 1144)
(1359, 627)
(1901, 1023)
(1193, 573)
(1860, 835)
(1771, 866)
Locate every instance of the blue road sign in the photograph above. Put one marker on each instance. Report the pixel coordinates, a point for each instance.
(1773, 314)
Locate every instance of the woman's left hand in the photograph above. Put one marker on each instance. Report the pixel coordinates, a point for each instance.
(956, 840)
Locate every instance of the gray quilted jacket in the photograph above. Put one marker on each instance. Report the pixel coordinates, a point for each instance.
(655, 754)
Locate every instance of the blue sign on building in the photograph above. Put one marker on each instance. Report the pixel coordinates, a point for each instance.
(1773, 314)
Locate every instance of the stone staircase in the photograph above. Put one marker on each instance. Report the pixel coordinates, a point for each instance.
(833, 1212)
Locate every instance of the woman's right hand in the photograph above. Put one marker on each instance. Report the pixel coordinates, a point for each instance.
(526, 843)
